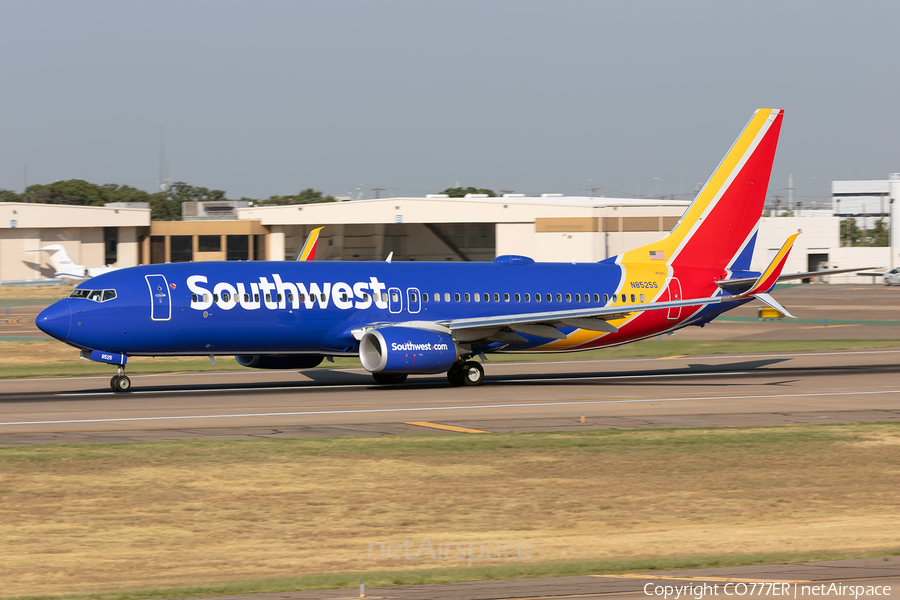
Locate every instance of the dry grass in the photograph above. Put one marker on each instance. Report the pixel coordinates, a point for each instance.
(40, 291)
(103, 518)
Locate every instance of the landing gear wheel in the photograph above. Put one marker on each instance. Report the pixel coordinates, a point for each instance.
(455, 375)
(472, 373)
(389, 378)
(120, 383)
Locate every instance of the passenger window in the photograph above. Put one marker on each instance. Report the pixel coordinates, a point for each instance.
(468, 298)
(577, 297)
(597, 298)
(605, 298)
(290, 297)
(215, 297)
(425, 297)
(633, 299)
(456, 297)
(624, 298)
(527, 297)
(477, 297)
(487, 297)
(549, 297)
(302, 297)
(193, 297)
(437, 297)
(395, 297)
(278, 298)
(518, 298)
(447, 297)
(412, 297)
(506, 297)
(642, 297)
(344, 297)
(384, 296)
(537, 297)
(268, 297)
(568, 297)
(559, 297)
(246, 297)
(255, 297)
(497, 297)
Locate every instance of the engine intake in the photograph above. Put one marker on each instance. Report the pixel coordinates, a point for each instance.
(407, 350)
(279, 361)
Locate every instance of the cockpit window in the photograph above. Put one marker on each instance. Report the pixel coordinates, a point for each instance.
(95, 295)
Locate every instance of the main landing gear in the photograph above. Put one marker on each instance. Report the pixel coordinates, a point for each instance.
(120, 381)
(466, 373)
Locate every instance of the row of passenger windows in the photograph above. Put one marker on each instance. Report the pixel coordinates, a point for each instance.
(456, 297)
(95, 295)
(485, 297)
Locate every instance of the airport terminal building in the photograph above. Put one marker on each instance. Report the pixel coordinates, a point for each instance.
(550, 228)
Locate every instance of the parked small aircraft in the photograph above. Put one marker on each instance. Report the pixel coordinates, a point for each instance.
(66, 268)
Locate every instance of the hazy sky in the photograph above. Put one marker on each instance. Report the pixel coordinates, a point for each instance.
(259, 98)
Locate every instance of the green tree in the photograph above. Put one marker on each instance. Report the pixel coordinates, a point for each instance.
(307, 196)
(786, 213)
(72, 191)
(851, 235)
(460, 192)
(184, 192)
(9, 196)
(880, 235)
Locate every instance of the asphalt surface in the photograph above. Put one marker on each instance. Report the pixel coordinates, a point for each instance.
(696, 391)
(720, 584)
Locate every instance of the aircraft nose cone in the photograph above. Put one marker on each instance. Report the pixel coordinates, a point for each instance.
(55, 320)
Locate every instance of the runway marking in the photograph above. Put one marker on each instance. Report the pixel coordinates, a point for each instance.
(445, 427)
(702, 578)
(673, 356)
(830, 326)
(436, 408)
(326, 386)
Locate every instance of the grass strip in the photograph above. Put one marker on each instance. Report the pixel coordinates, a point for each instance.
(328, 581)
(49, 358)
(239, 516)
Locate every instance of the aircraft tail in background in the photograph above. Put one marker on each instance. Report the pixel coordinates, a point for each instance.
(65, 268)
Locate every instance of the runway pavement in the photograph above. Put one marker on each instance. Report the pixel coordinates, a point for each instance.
(794, 581)
(738, 390)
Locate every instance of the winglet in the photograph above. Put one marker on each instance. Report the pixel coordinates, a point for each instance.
(309, 248)
(769, 277)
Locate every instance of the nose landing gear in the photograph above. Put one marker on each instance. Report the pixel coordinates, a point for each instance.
(120, 381)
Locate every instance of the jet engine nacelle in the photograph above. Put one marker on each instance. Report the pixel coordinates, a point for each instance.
(279, 361)
(407, 350)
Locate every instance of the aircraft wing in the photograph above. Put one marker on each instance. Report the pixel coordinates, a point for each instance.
(746, 282)
(308, 252)
(545, 324)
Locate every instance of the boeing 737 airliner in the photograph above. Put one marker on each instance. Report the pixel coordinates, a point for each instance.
(406, 318)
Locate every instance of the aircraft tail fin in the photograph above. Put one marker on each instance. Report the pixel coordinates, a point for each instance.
(309, 248)
(719, 227)
(63, 265)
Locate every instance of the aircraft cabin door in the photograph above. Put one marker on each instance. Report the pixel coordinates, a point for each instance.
(160, 300)
(395, 300)
(674, 294)
(413, 300)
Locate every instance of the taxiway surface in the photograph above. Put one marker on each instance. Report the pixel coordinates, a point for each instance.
(696, 391)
